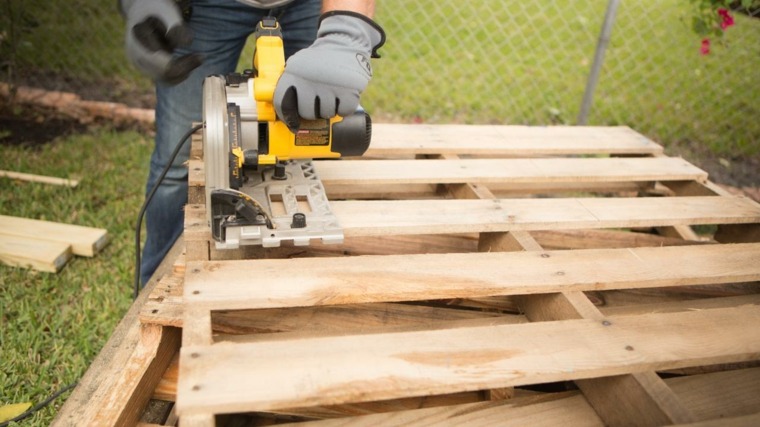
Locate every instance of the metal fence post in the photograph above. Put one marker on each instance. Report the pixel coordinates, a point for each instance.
(601, 48)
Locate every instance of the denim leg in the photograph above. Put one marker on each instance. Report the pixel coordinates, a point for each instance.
(220, 29)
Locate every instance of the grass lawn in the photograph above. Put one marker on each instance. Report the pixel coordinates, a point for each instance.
(53, 325)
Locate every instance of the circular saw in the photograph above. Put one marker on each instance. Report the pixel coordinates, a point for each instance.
(261, 185)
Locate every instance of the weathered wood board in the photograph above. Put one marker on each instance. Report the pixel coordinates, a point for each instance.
(480, 263)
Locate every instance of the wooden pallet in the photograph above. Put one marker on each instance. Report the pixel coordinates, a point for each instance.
(490, 275)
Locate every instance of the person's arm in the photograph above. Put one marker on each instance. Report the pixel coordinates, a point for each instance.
(327, 78)
(364, 7)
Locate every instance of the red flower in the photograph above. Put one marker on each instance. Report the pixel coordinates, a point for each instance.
(726, 19)
(705, 49)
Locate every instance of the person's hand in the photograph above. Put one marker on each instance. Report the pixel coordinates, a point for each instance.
(327, 78)
(154, 29)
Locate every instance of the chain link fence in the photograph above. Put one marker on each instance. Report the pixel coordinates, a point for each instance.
(486, 61)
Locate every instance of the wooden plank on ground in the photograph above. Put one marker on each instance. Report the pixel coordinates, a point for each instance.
(527, 141)
(509, 170)
(369, 218)
(311, 281)
(41, 255)
(84, 241)
(335, 370)
(39, 178)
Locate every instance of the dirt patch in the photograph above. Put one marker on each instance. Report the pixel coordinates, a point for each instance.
(24, 124)
(34, 126)
(736, 171)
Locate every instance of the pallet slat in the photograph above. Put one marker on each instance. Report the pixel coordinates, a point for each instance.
(402, 139)
(323, 371)
(312, 281)
(370, 218)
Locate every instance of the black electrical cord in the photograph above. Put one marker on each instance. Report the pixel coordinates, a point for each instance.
(38, 406)
(140, 216)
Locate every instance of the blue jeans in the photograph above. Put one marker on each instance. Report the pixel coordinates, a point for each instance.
(220, 29)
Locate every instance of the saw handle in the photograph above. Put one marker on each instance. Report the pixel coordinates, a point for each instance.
(268, 65)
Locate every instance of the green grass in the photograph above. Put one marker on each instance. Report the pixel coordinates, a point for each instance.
(53, 325)
(528, 64)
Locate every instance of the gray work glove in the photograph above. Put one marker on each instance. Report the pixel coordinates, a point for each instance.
(327, 78)
(154, 29)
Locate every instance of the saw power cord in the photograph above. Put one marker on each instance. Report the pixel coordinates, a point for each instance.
(28, 413)
(148, 198)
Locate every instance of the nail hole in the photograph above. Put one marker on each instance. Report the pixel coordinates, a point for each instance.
(545, 255)
(606, 322)
(629, 348)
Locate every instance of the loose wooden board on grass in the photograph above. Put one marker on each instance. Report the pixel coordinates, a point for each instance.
(84, 241)
(41, 255)
(39, 178)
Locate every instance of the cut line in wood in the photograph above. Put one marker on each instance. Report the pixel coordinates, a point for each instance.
(373, 218)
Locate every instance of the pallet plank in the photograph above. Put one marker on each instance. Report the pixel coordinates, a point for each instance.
(311, 281)
(369, 218)
(509, 170)
(403, 139)
(324, 371)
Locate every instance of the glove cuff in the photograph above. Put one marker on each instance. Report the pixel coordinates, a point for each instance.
(370, 27)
